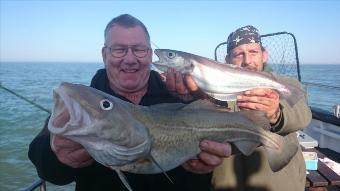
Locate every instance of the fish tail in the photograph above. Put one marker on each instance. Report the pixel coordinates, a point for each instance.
(281, 156)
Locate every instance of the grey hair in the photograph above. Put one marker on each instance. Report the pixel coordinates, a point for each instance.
(127, 21)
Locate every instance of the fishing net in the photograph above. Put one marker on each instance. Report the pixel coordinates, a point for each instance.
(282, 49)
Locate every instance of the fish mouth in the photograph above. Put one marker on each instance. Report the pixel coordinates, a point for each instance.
(66, 112)
(159, 65)
(161, 59)
(157, 53)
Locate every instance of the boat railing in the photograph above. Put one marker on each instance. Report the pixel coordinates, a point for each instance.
(41, 184)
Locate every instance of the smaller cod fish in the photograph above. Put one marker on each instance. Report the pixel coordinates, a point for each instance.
(222, 81)
(154, 139)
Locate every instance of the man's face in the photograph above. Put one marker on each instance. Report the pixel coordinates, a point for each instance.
(249, 56)
(129, 73)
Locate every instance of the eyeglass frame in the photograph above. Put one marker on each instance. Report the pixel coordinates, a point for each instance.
(126, 49)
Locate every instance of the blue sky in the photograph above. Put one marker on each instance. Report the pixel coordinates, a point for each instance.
(72, 31)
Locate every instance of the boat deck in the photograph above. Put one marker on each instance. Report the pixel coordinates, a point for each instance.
(323, 179)
(330, 154)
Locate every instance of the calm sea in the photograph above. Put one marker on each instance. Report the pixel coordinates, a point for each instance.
(20, 121)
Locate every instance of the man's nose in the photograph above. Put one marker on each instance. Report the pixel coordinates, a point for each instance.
(130, 57)
(246, 60)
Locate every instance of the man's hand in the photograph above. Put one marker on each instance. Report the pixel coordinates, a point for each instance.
(261, 99)
(180, 85)
(67, 151)
(211, 156)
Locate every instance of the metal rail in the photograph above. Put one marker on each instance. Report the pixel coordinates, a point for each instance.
(41, 184)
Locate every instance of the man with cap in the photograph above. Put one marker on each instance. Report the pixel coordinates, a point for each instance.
(239, 172)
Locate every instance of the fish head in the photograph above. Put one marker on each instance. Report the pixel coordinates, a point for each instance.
(100, 122)
(181, 61)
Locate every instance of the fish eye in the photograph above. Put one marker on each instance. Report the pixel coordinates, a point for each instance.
(106, 104)
(171, 55)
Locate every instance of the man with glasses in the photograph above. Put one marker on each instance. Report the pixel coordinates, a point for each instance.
(127, 56)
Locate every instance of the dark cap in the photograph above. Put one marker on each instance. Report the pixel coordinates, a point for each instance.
(244, 35)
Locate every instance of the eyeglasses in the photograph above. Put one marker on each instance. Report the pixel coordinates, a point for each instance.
(120, 51)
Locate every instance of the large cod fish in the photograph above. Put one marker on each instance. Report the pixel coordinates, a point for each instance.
(222, 81)
(154, 139)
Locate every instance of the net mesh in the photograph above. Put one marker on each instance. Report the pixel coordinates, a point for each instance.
(282, 53)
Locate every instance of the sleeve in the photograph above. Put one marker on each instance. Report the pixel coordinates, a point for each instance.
(293, 118)
(48, 166)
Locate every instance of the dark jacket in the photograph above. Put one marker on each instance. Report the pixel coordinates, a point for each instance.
(99, 177)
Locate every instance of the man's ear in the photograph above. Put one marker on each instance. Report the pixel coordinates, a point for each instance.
(104, 54)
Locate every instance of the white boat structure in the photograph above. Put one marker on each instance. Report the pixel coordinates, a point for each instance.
(325, 128)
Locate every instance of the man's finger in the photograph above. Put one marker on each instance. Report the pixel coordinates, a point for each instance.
(86, 163)
(80, 155)
(215, 148)
(170, 80)
(197, 166)
(258, 92)
(191, 84)
(244, 100)
(58, 142)
(211, 160)
(180, 86)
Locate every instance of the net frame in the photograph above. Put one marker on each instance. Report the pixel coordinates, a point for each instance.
(283, 54)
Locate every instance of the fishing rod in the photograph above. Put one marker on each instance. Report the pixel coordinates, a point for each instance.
(25, 99)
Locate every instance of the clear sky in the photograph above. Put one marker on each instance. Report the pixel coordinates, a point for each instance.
(70, 30)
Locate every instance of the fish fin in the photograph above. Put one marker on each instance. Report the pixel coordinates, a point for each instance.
(204, 104)
(124, 180)
(279, 158)
(257, 117)
(159, 166)
(223, 97)
(200, 104)
(246, 147)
